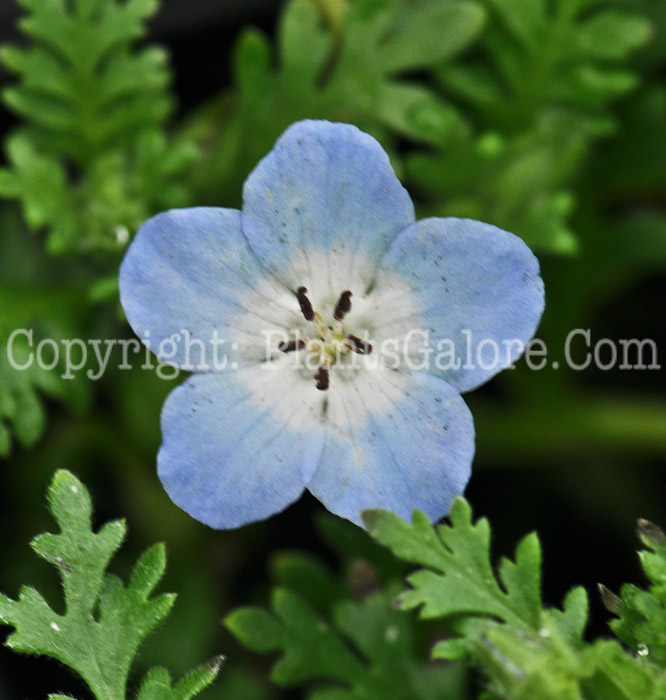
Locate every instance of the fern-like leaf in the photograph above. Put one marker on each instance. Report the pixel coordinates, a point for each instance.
(528, 652)
(344, 649)
(93, 110)
(104, 621)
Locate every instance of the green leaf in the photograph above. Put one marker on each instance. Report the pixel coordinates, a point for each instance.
(460, 579)
(257, 629)
(642, 613)
(304, 44)
(523, 18)
(526, 651)
(23, 382)
(431, 34)
(367, 649)
(306, 575)
(612, 35)
(105, 621)
(157, 684)
(571, 620)
(89, 100)
(342, 64)
(541, 84)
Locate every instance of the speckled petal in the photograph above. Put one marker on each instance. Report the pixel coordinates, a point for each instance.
(479, 294)
(394, 440)
(238, 448)
(322, 206)
(189, 280)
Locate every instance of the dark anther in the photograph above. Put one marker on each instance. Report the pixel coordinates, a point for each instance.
(306, 306)
(343, 307)
(291, 345)
(322, 379)
(360, 346)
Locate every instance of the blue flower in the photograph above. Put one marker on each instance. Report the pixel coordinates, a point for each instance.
(330, 335)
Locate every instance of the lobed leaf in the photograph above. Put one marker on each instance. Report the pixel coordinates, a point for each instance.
(356, 650)
(104, 621)
(527, 652)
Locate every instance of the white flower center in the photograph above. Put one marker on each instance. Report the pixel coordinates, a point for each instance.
(326, 344)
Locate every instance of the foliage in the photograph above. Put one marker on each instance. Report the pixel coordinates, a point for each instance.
(91, 160)
(104, 621)
(34, 300)
(538, 93)
(22, 412)
(343, 61)
(518, 93)
(641, 613)
(340, 648)
(498, 620)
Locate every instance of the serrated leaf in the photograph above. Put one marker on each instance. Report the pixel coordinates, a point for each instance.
(157, 685)
(523, 577)
(527, 652)
(104, 622)
(571, 620)
(641, 618)
(460, 578)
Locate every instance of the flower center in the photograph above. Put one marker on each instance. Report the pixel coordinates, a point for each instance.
(326, 344)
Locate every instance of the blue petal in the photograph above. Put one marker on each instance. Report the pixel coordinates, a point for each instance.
(189, 273)
(323, 204)
(415, 452)
(229, 455)
(480, 290)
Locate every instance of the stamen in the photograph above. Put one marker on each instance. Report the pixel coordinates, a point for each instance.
(306, 306)
(343, 307)
(291, 345)
(322, 379)
(362, 347)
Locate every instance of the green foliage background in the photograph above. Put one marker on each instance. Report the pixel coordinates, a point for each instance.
(546, 118)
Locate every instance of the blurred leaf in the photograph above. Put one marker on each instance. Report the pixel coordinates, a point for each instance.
(542, 90)
(91, 160)
(342, 65)
(36, 307)
(307, 576)
(612, 35)
(432, 34)
(345, 649)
